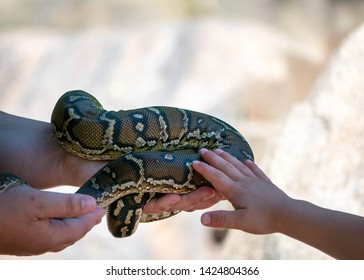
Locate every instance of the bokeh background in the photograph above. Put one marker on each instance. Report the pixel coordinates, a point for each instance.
(247, 62)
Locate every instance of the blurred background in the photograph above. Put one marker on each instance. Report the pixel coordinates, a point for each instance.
(247, 62)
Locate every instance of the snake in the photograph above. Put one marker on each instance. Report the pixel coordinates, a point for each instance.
(150, 152)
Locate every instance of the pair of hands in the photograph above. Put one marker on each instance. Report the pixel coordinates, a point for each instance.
(34, 221)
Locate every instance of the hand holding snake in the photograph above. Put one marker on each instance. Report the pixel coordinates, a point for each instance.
(30, 150)
(155, 153)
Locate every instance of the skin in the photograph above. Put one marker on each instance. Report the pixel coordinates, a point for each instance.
(34, 221)
(262, 208)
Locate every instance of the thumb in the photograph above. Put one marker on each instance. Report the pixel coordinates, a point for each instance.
(59, 205)
(222, 219)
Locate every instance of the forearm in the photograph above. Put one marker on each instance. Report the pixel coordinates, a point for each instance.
(24, 149)
(335, 233)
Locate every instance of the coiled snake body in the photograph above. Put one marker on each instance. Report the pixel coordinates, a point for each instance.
(151, 150)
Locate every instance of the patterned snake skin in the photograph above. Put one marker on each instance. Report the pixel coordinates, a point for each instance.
(150, 151)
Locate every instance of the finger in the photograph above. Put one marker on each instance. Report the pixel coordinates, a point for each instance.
(66, 232)
(162, 204)
(221, 182)
(235, 162)
(59, 205)
(220, 163)
(200, 198)
(222, 219)
(256, 170)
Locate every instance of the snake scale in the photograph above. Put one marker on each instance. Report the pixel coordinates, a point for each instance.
(150, 152)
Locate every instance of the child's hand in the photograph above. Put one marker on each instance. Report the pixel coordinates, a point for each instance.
(255, 198)
(262, 208)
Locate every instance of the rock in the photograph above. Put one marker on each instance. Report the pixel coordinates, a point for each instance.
(318, 155)
(234, 70)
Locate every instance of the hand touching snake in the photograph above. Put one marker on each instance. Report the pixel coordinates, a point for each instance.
(150, 151)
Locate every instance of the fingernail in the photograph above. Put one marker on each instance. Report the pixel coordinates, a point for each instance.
(87, 203)
(203, 151)
(218, 151)
(209, 195)
(205, 219)
(248, 161)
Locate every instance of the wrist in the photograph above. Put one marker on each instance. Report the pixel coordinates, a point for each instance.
(23, 148)
(285, 215)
